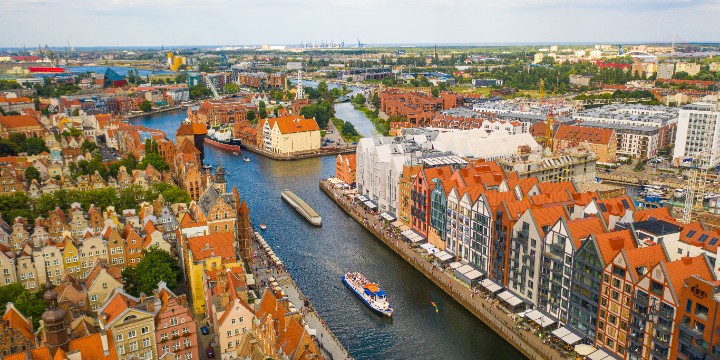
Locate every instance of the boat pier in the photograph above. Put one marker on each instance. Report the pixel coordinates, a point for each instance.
(324, 337)
(302, 207)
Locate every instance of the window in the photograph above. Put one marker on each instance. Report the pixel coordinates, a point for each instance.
(119, 337)
(133, 346)
(173, 321)
(146, 342)
(132, 334)
(188, 355)
(165, 349)
(186, 330)
(232, 321)
(229, 344)
(144, 330)
(175, 333)
(229, 333)
(94, 298)
(176, 346)
(187, 343)
(701, 311)
(164, 337)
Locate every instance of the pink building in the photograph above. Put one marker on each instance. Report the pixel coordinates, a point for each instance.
(175, 327)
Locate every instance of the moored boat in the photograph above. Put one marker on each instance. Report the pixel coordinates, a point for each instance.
(302, 207)
(263, 227)
(370, 293)
(222, 140)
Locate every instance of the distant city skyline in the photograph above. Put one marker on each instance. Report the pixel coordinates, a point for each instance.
(136, 23)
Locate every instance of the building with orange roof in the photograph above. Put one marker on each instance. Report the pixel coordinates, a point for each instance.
(561, 243)
(614, 210)
(467, 229)
(422, 186)
(506, 213)
(526, 249)
(345, 168)
(575, 164)
(279, 330)
(16, 104)
(17, 332)
(176, 329)
(694, 337)
(130, 322)
(205, 253)
(289, 134)
(618, 289)
(657, 304)
(404, 202)
(601, 141)
(590, 260)
(102, 280)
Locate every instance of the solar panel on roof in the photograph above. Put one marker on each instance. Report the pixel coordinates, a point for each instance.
(703, 238)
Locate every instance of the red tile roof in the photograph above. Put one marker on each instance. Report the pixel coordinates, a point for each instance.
(19, 121)
(293, 124)
(683, 268)
(581, 229)
(611, 243)
(221, 244)
(645, 257)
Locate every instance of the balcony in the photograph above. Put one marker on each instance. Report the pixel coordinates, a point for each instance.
(660, 354)
(695, 333)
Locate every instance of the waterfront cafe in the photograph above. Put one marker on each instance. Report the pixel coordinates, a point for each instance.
(540, 319)
(387, 216)
(491, 286)
(565, 335)
(512, 302)
(413, 236)
(443, 256)
(468, 274)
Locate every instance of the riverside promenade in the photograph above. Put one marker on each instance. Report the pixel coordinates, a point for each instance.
(266, 273)
(323, 151)
(486, 310)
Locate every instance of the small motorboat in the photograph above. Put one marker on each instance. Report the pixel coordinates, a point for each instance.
(246, 159)
(263, 227)
(236, 153)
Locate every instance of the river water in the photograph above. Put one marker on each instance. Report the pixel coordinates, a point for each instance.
(317, 258)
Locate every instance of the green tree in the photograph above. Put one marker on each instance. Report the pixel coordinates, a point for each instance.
(75, 112)
(262, 110)
(250, 116)
(156, 160)
(33, 146)
(8, 148)
(681, 75)
(375, 100)
(322, 111)
(145, 106)
(88, 147)
(231, 88)
(435, 91)
(31, 173)
(199, 91)
(31, 305)
(181, 78)
(157, 265)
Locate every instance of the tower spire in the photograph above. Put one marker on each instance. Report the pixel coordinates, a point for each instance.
(300, 92)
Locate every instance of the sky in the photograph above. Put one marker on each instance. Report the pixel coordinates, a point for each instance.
(284, 22)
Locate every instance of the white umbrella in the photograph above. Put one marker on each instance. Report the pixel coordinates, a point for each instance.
(584, 350)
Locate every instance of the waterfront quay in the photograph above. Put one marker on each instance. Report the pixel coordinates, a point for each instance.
(518, 334)
(269, 273)
(328, 151)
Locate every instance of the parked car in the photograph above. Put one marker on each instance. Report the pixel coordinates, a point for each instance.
(204, 330)
(210, 352)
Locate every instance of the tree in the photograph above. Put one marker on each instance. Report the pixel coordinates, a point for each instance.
(250, 116)
(277, 109)
(31, 173)
(322, 111)
(435, 91)
(8, 148)
(145, 106)
(681, 75)
(75, 112)
(156, 160)
(31, 305)
(199, 91)
(88, 147)
(181, 78)
(33, 146)
(156, 265)
(262, 110)
(231, 88)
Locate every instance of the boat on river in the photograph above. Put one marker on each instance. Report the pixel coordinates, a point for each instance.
(222, 139)
(302, 207)
(370, 293)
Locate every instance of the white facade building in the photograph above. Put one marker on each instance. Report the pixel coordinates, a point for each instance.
(698, 134)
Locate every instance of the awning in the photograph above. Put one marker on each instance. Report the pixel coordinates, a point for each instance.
(455, 265)
(370, 204)
(473, 275)
(509, 298)
(443, 256)
(387, 216)
(413, 236)
(571, 339)
(540, 319)
(362, 198)
(584, 349)
(249, 279)
(491, 286)
(561, 332)
(598, 355)
(465, 269)
(397, 223)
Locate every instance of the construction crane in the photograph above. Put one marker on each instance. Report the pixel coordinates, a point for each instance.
(549, 123)
(50, 55)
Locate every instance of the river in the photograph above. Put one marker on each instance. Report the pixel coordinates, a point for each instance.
(317, 257)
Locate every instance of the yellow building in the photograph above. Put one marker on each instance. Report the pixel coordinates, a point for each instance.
(290, 134)
(204, 253)
(71, 259)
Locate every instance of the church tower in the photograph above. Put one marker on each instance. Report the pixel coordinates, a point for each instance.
(53, 318)
(220, 182)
